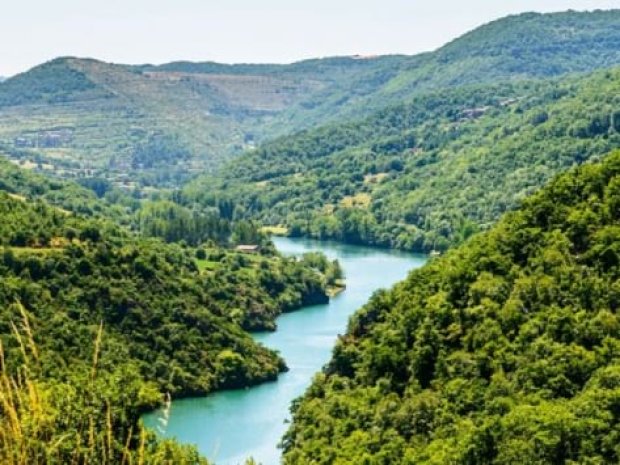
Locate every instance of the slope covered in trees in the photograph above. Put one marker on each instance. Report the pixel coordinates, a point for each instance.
(67, 195)
(92, 271)
(157, 125)
(504, 351)
(97, 323)
(149, 217)
(529, 45)
(424, 175)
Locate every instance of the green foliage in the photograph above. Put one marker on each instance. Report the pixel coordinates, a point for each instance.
(504, 351)
(255, 288)
(159, 150)
(169, 326)
(78, 272)
(425, 175)
(51, 83)
(64, 194)
(330, 269)
(161, 218)
(88, 416)
(174, 223)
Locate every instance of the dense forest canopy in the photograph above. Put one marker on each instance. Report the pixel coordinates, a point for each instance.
(424, 175)
(161, 318)
(504, 351)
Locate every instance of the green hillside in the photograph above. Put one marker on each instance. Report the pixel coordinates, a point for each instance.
(525, 46)
(423, 175)
(145, 125)
(64, 194)
(159, 125)
(97, 324)
(505, 351)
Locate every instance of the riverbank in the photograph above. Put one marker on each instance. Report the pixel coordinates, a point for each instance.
(229, 426)
(335, 289)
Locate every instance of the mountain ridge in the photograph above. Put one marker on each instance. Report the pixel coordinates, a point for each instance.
(93, 116)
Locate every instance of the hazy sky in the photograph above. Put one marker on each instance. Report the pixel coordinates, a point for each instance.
(156, 31)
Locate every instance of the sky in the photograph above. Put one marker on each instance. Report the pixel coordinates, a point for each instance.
(242, 31)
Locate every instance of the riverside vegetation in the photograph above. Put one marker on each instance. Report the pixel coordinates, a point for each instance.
(504, 351)
(97, 322)
(424, 175)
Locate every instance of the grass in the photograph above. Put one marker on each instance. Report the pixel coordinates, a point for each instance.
(278, 230)
(27, 418)
(361, 199)
(33, 250)
(35, 431)
(375, 178)
(337, 288)
(207, 265)
(21, 198)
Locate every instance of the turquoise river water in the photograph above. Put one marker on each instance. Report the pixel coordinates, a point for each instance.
(230, 426)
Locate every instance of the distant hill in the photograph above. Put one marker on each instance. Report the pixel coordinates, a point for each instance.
(529, 45)
(158, 125)
(427, 174)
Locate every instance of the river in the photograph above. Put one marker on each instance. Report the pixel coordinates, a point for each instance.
(230, 426)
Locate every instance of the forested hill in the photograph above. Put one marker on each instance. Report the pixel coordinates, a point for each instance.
(427, 174)
(65, 194)
(504, 351)
(529, 45)
(98, 323)
(156, 126)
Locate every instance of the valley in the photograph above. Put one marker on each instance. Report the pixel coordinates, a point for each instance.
(362, 259)
(75, 117)
(230, 426)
